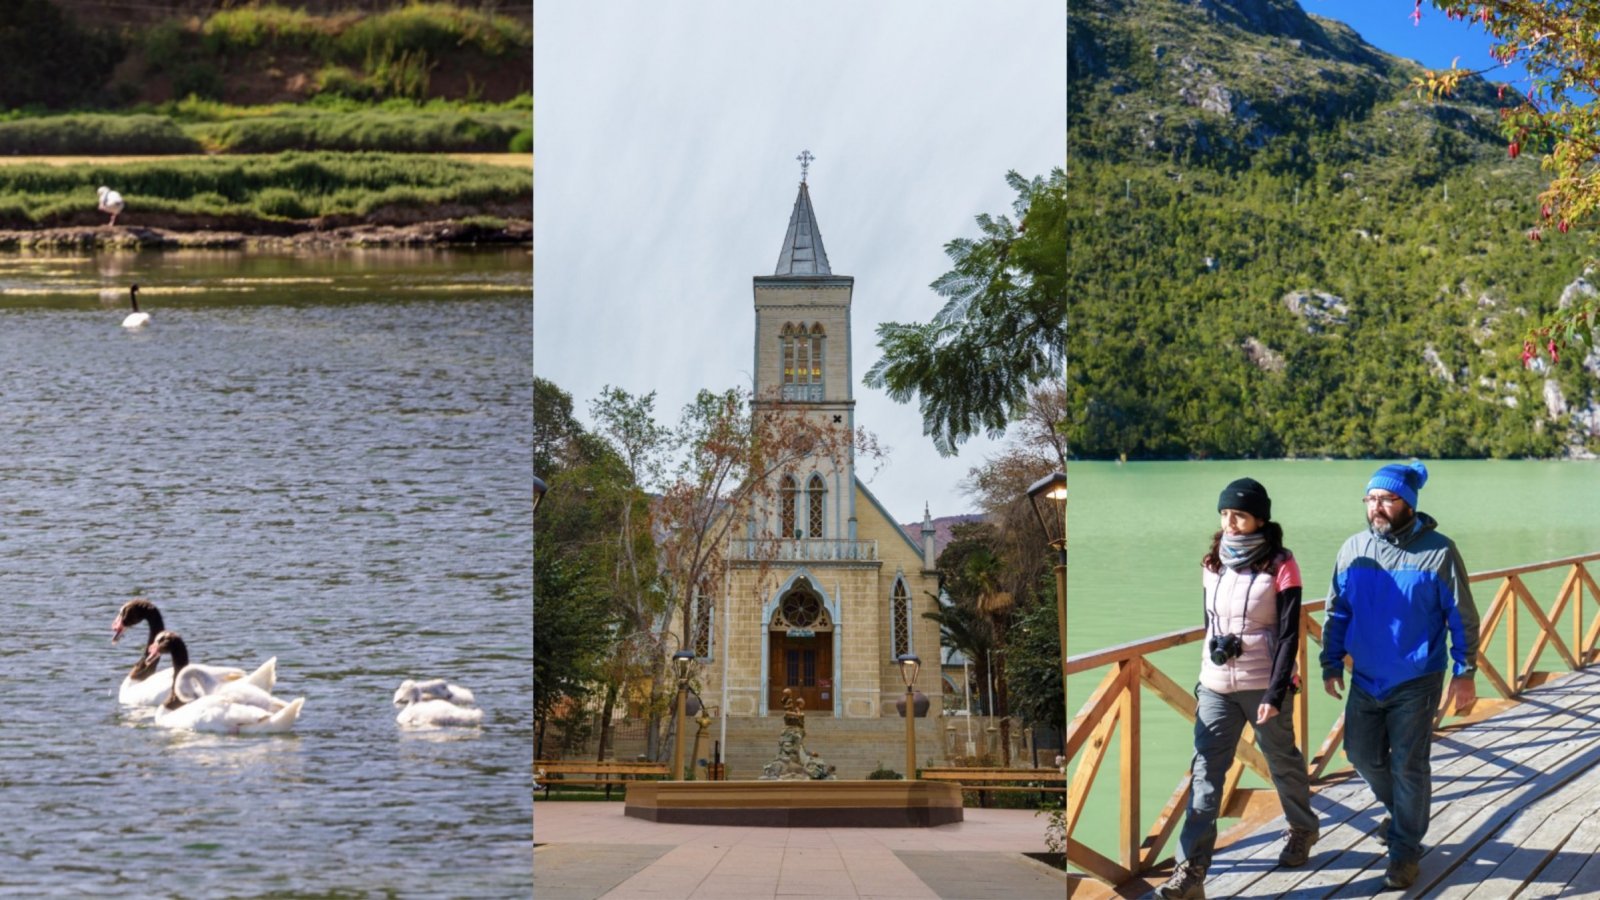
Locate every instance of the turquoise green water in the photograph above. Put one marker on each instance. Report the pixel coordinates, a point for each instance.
(1137, 532)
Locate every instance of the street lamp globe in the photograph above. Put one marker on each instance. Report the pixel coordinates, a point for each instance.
(682, 662)
(909, 664)
(1048, 496)
(539, 487)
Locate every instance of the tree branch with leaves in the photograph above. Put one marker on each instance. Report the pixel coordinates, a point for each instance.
(1557, 42)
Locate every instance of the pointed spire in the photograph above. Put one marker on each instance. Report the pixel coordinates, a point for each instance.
(802, 252)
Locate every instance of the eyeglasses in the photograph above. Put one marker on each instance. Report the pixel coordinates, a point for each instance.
(1381, 499)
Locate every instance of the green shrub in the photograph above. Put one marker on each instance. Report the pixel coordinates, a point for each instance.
(282, 203)
(343, 81)
(96, 134)
(521, 142)
(277, 187)
(196, 78)
(882, 773)
(244, 29)
(436, 28)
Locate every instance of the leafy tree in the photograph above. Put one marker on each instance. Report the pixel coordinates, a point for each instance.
(1002, 328)
(1557, 116)
(1033, 662)
(733, 451)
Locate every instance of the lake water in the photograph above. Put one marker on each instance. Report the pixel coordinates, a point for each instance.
(319, 457)
(1138, 530)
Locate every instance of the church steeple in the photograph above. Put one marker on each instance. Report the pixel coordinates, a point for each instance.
(802, 252)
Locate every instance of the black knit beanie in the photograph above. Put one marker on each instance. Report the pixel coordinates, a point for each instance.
(1248, 495)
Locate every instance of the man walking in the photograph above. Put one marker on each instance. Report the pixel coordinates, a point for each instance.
(1398, 588)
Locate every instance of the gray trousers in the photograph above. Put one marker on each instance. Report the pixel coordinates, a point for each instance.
(1219, 722)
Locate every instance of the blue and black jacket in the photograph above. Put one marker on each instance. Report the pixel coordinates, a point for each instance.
(1394, 598)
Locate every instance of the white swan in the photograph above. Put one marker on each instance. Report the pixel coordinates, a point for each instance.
(237, 707)
(144, 686)
(433, 689)
(110, 202)
(135, 319)
(435, 704)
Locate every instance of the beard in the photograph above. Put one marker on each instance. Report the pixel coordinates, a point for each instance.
(1385, 524)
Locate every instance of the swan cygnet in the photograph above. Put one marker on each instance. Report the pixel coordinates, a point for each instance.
(436, 704)
(238, 707)
(135, 319)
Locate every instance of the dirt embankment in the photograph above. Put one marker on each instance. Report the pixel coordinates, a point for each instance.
(441, 233)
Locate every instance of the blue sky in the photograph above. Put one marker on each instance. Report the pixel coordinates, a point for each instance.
(1387, 25)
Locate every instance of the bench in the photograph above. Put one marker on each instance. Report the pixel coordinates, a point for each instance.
(551, 772)
(983, 780)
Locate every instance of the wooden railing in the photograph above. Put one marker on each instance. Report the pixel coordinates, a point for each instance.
(1115, 705)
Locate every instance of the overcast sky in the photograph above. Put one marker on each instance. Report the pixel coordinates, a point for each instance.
(665, 137)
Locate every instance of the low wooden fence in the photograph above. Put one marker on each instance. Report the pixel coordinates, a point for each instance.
(1115, 703)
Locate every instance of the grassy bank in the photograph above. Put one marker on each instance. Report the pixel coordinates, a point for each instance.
(290, 187)
(199, 126)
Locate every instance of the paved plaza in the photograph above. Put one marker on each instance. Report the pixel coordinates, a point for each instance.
(586, 851)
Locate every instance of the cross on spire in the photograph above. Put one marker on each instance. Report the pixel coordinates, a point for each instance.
(805, 159)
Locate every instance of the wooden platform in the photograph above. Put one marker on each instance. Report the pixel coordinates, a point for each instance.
(1516, 813)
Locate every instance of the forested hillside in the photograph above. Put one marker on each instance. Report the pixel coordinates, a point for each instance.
(1277, 250)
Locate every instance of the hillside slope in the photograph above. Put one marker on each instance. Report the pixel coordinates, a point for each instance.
(1277, 250)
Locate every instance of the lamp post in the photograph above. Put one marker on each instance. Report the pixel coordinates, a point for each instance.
(1049, 498)
(682, 662)
(539, 487)
(909, 664)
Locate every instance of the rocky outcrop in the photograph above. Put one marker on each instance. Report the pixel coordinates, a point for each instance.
(1319, 309)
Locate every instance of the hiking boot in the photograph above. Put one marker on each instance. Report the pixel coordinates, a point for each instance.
(1297, 847)
(1188, 882)
(1400, 874)
(1382, 834)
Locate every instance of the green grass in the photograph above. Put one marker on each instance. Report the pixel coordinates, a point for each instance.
(96, 133)
(284, 187)
(194, 126)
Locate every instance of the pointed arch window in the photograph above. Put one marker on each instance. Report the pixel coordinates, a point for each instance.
(802, 361)
(700, 638)
(788, 493)
(900, 618)
(816, 492)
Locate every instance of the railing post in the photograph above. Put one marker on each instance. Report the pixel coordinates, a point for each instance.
(1302, 718)
(1131, 832)
(1511, 644)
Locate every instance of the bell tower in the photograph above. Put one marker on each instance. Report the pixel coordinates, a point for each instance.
(802, 356)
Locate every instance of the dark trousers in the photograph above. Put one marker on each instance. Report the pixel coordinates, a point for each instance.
(1389, 742)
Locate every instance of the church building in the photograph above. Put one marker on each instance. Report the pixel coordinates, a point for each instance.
(847, 592)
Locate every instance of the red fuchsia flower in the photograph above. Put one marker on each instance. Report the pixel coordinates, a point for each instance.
(1554, 356)
(1527, 353)
(1484, 15)
(1416, 15)
(1562, 227)
(1545, 210)
(1533, 235)
(1514, 148)
(1501, 93)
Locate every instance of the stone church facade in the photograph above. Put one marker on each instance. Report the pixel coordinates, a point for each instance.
(847, 592)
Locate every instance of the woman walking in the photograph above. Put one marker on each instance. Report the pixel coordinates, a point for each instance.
(1252, 611)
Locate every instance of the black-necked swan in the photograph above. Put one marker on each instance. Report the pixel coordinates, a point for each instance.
(110, 202)
(435, 704)
(238, 707)
(144, 686)
(135, 319)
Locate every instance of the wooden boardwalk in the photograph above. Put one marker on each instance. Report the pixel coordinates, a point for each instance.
(1516, 813)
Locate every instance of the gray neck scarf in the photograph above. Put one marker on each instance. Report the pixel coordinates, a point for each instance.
(1242, 551)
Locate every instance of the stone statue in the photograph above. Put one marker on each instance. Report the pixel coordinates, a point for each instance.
(793, 763)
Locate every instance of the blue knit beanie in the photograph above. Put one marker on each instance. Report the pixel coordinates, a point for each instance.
(1401, 480)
